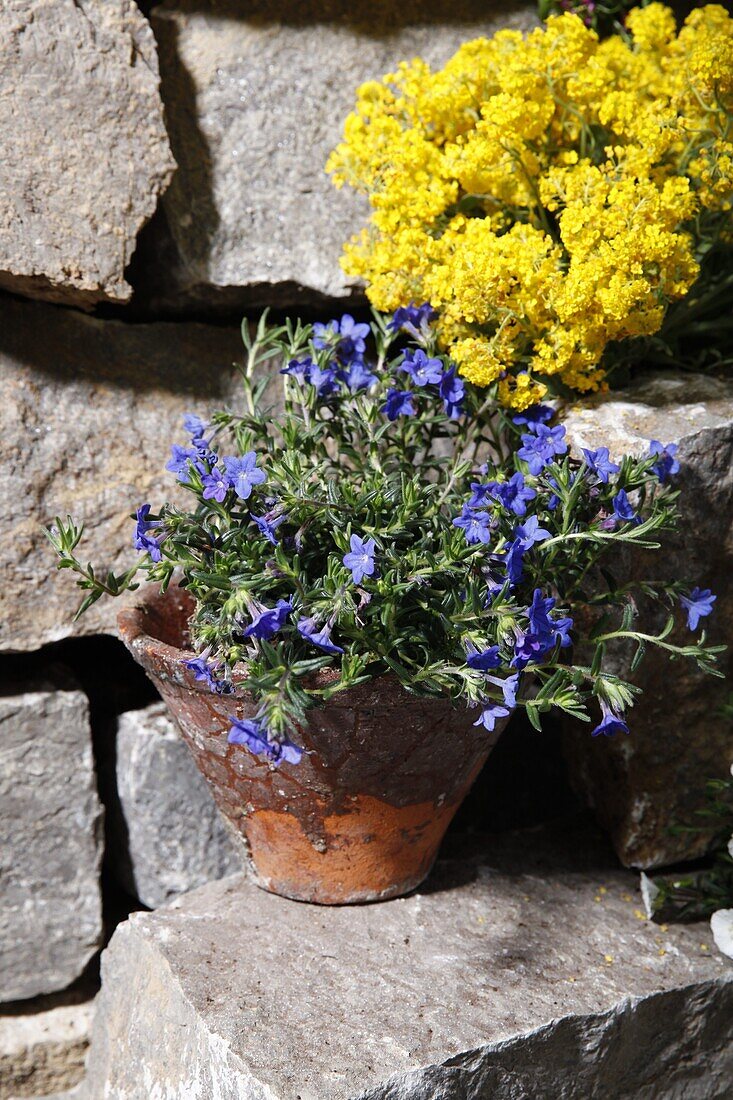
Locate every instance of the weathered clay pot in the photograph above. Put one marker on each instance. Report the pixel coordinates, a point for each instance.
(361, 817)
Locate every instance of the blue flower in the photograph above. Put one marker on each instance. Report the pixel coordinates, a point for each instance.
(493, 584)
(508, 687)
(179, 462)
(667, 464)
(142, 540)
(325, 380)
(538, 612)
(514, 494)
(528, 648)
(622, 509)
(358, 376)
(201, 669)
(544, 632)
(452, 390)
(525, 537)
(530, 532)
(398, 403)
(360, 560)
(490, 715)
(481, 493)
(698, 605)
(325, 335)
(562, 631)
(514, 560)
(243, 474)
(267, 525)
(356, 333)
(540, 447)
(268, 621)
(299, 368)
(195, 427)
(284, 751)
(250, 732)
(422, 371)
(216, 485)
(598, 462)
(322, 638)
(484, 659)
(253, 733)
(476, 525)
(538, 414)
(346, 337)
(207, 673)
(611, 723)
(413, 319)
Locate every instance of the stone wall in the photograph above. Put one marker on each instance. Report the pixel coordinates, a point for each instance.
(162, 172)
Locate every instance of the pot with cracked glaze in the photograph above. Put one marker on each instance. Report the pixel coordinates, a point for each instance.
(361, 817)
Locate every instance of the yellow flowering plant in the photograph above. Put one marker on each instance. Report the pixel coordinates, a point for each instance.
(563, 203)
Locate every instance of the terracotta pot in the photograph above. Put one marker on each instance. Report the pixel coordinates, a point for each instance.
(361, 817)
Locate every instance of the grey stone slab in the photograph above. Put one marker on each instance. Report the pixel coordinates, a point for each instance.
(655, 778)
(43, 1045)
(170, 837)
(85, 150)
(256, 97)
(519, 970)
(50, 840)
(88, 411)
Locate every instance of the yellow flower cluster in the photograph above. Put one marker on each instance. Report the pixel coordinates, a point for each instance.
(546, 192)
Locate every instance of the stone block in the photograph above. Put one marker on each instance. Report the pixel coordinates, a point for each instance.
(169, 836)
(85, 150)
(88, 411)
(50, 839)
(519, 970)
(43, 1045)
(654, 779)
(255, 100)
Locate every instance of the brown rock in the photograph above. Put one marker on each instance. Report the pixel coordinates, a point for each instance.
(645, 784)
(88, 411)
(85, 151)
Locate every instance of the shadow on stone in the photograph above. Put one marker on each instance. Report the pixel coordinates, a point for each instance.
(378, 18)
(523, 783)
(65, 346)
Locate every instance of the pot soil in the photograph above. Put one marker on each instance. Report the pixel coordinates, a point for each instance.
(361, 817)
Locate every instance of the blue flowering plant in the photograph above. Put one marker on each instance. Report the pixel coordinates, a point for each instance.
(375, 515)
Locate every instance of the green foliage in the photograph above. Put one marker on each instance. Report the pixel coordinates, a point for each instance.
(336, 466)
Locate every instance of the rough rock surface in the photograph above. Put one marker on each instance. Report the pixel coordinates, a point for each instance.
(520, 970)
(88, 411)
(655, 778)
(43, 1045)
(255, 100)
(170, 837)
(85, 150)
(50, 840)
